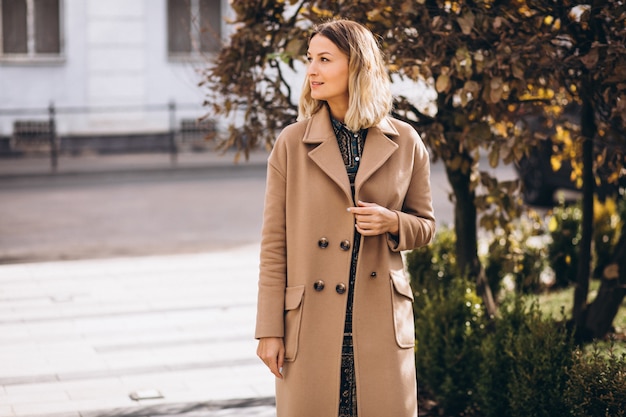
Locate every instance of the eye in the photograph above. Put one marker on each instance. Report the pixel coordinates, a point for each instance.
(308, 58)
(323, 59)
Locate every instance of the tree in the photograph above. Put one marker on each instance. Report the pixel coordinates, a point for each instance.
(590, 44)
(486, 60)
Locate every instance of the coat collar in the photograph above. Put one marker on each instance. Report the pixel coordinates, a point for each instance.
(379, 146)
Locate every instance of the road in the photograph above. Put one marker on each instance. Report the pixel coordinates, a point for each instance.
(143, 213)
(109, 214)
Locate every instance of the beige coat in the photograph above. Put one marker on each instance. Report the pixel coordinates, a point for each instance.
(305, 263)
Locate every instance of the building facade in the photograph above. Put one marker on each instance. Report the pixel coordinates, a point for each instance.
(106, 67)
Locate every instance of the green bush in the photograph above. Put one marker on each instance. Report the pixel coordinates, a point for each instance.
(607, 221)
(518, 369)
(524, 362)
(521, 363)
(565, 231)
(449, 327)
(449, 323)
(433, 266)
(596, 385)
(519, 254)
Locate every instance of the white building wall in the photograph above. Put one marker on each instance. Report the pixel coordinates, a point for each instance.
(114, 56)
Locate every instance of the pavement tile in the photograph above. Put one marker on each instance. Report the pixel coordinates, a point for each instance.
(27, 398)
(6, 410)
(79, 336)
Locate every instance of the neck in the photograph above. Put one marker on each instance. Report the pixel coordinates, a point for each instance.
(338, 111)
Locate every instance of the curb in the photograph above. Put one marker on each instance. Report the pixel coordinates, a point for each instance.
(126, 165)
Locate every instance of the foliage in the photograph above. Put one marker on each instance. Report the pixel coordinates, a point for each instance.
(519, 364)
(564, 228)
(471, 369)
(483, 59)
(248, 79)
(597, 384)
(589, 40)
(449, 327)
(519, 253)
(524, 358)
(449, 323)
(608, 219)
(433, 266)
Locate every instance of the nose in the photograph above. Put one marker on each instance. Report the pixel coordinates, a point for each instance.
(311, 69)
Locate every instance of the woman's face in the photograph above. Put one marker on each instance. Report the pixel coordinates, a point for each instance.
(328, 72)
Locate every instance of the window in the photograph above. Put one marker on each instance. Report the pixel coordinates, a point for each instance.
(193, 26)
(30, 28)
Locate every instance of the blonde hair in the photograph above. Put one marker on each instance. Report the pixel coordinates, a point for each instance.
(370, 98)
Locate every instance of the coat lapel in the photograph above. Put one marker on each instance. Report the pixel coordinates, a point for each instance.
(327, 155)
(378, 148)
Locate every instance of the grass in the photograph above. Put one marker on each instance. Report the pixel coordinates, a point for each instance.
(558, 304)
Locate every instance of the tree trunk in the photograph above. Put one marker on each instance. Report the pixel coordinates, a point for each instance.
(588, 130)
(466, 234)
(604, 308)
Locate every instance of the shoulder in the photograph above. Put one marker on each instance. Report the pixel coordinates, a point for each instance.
(404, 129)
(293, 132)
(289, 142)
(401, 132)
(407, 138)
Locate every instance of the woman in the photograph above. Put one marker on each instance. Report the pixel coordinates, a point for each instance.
(348, 188)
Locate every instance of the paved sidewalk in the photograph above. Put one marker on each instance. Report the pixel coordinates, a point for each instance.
(81, 338)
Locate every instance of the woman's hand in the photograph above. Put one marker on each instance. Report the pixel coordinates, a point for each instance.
(372, 219)
(271, 350)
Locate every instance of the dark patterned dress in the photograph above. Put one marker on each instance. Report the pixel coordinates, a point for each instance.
(351, 146)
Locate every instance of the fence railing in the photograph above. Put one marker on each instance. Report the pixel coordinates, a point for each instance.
(39, 134)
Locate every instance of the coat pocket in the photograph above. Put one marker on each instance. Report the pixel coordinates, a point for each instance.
(294, 297)
(402, 305)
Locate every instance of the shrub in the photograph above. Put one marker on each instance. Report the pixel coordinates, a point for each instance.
(597, 384)
(518, 253)
(524, 362)
(433, 266)
(449, 327)
(565, 231)
(606, 227)
(538, 379)
(521, 363)
(448, 323)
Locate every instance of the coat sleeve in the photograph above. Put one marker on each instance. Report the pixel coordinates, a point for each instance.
(416, 219)
(273, 258)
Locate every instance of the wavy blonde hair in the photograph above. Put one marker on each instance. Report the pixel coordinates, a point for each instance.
(370, 98)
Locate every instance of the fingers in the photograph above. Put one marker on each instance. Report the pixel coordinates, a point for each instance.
(271, 350)
(365, 209)
(369, 218)
(364, 204)
(275, 363)
(273, 366)
(369, 229)
(372, 219)
(281, 360)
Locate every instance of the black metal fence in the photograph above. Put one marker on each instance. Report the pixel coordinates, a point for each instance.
(35, 129)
